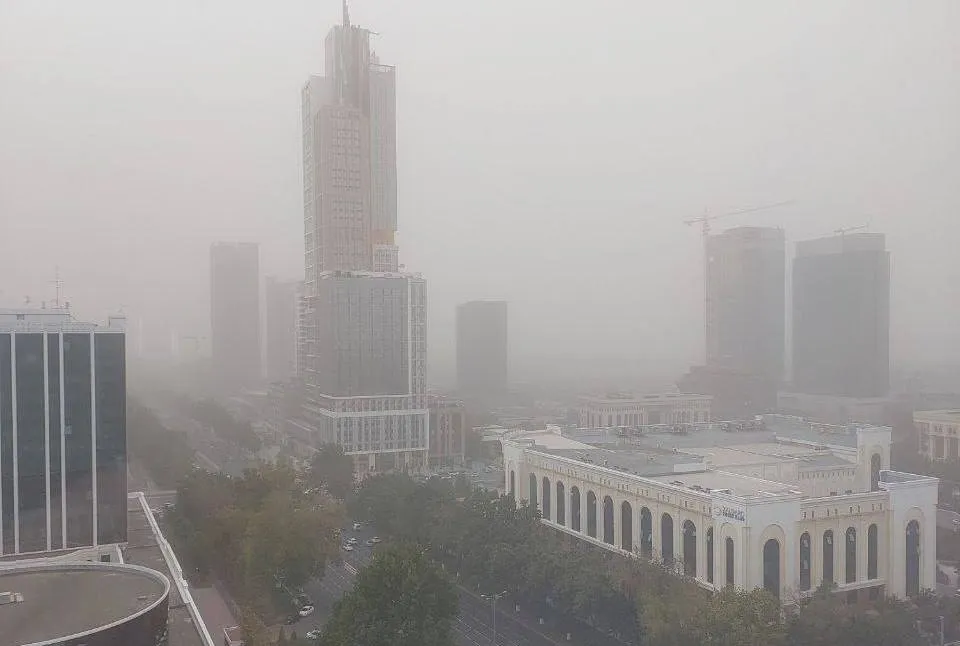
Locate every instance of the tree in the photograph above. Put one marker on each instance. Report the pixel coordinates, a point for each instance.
(399, 599)
(332, 469)
(825, 621)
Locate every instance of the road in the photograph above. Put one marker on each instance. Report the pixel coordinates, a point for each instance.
(472, 627)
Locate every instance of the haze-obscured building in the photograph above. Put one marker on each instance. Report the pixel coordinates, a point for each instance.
(63, 437)
(641, 410)
(282, 309)
(938, 432)
(841, 316)
(448, 428)
(235, 316)
(482, 355)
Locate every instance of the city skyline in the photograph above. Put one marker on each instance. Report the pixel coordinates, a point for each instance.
(461, 186)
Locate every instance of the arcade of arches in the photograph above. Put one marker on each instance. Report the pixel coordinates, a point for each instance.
(712, 554)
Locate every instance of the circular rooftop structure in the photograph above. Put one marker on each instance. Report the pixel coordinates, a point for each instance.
(49, 604)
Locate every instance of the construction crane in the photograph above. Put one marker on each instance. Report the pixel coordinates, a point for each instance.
(706, 219)
(842, 231)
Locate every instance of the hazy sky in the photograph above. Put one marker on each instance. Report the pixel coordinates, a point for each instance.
(548, 153)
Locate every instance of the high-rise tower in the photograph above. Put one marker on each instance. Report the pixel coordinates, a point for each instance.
(362, 339)
(841, 316)
(235, 315)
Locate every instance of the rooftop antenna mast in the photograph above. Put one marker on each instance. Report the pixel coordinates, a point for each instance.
(346, 14)
(58, 284)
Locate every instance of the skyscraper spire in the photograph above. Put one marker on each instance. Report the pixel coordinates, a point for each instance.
(346, 14)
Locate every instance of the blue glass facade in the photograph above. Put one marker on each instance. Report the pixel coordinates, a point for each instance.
(62, 440)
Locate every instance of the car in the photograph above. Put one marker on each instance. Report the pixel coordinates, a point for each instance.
(156, 511)
(313, 635)
(357, 526)
(369, 542)
(168, 506)
(306, 611)
(375, 539)
(353, 540)
(347, 547)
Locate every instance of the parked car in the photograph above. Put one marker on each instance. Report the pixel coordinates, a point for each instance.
(306, 611)
(347, 547)
(369, 542)
(313, 635)
(353, 540)
(357, 526)
(375, 539)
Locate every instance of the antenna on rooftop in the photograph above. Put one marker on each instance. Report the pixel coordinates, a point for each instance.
(58, 284)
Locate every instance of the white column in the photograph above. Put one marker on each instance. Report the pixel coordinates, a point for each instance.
(93, 432)
(46, 432)
(63, 451)
(16, 475)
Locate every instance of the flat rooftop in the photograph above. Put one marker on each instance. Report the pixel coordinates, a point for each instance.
(739, 485)
(951, 416)
(652, 398)
(144, 549)
(68, 599)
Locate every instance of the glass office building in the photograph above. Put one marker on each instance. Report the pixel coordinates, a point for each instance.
(63, 447)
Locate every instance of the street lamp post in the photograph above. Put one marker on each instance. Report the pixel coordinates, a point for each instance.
(493, 598)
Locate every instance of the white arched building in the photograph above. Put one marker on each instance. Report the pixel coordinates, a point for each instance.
(786, 507)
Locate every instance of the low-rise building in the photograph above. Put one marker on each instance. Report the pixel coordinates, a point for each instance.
(781, 504)
(448, 430)
(939, 433)
(641, 410)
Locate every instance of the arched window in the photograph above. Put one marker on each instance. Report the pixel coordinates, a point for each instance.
(710, 555)
(666, 538)
(591, 514)
(646, 532)
(575, 509)
(608, 520)
(771, 567)
(872, 548)
(875, 464)
(533, 491)
(561, 504)
(546, 497)
(805, 561)
(626, 526)
(912, 555)
(828, 556)
(729, 560)
(689, 548)
(851, 555)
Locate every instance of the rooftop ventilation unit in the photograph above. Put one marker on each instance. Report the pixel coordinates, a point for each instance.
(10, 597)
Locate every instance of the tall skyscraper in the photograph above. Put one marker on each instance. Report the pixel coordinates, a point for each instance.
(235, 315)
(745, 301)
(281, 298)
(482, 348)
(63, 457)
(362, 324)
(841, 316)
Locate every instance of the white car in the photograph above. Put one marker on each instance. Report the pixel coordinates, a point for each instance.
(356, 526)
(313, 635)
(375, 539)
(306, 611)
(348, 547)
(353, 540)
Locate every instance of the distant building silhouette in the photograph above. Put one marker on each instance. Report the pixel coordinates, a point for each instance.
(841, 316)
(235, 316)
(482, 348)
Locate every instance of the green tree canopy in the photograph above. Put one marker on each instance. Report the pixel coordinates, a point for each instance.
(331, 469)
(399, 599)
